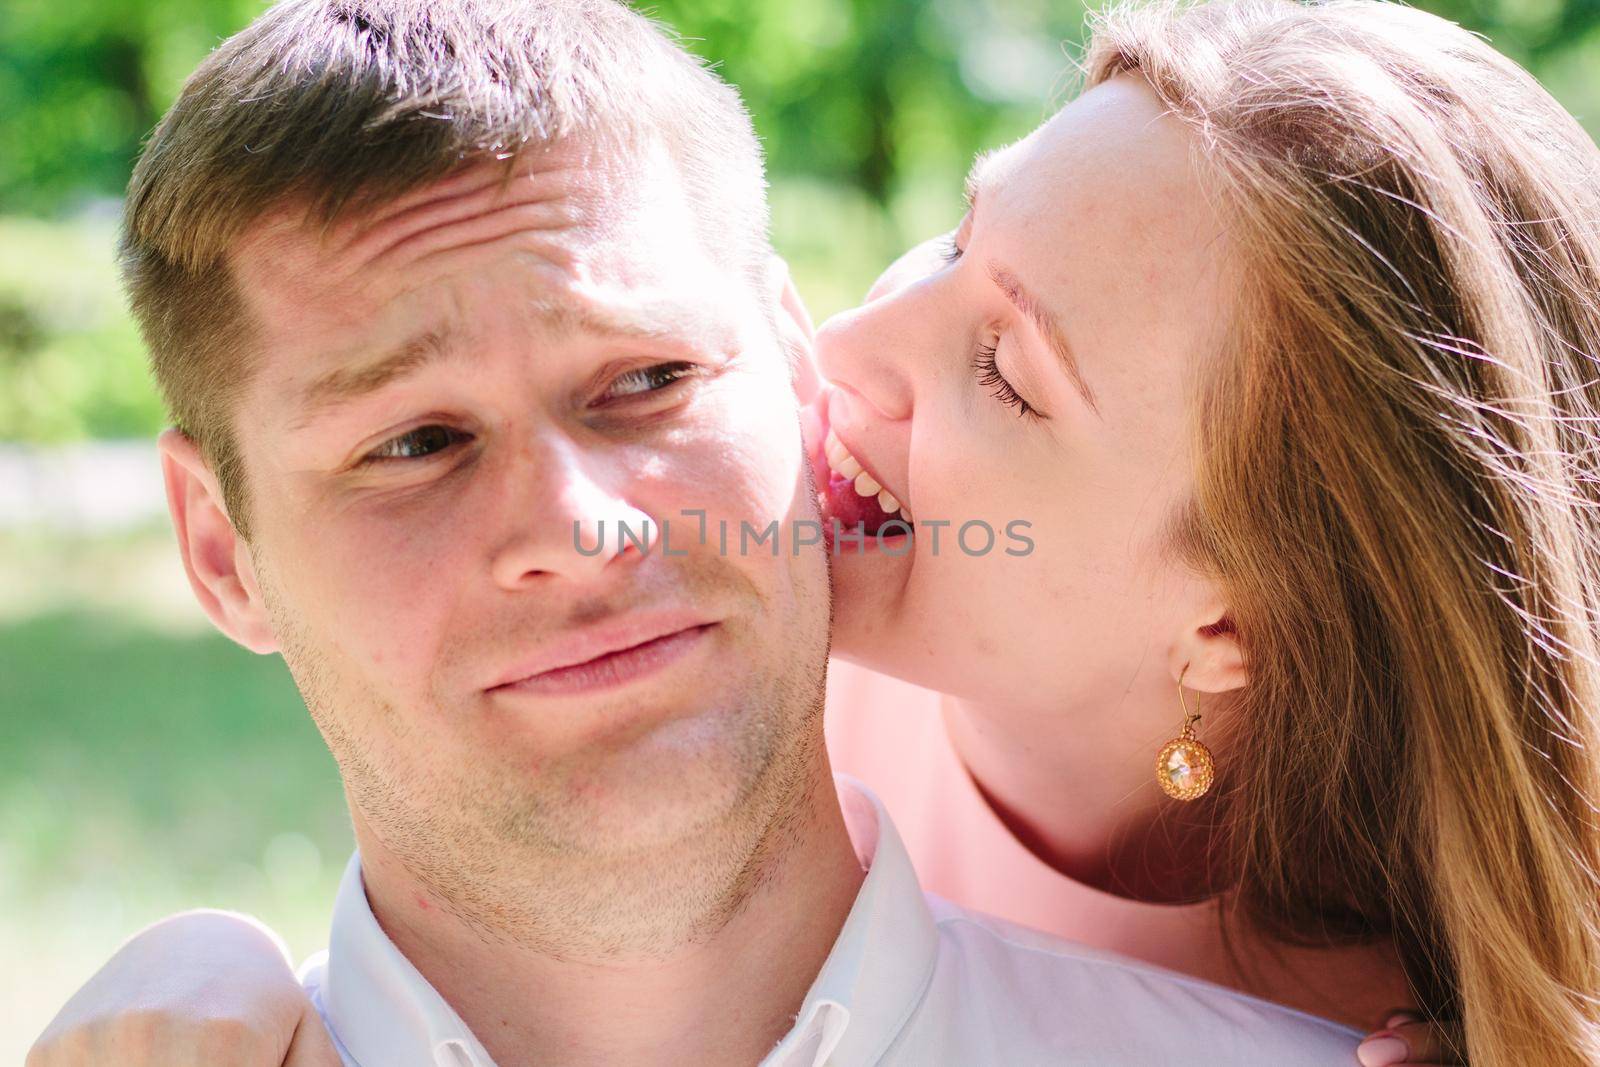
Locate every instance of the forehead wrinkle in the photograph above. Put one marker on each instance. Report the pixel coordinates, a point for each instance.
(464, 182)
(466, 221)
(369, 237)
(535, 227)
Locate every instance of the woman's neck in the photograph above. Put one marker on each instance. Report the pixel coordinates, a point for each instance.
(1088, 810)
(1097, 817)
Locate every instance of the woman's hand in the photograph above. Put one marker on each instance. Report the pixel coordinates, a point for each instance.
(1407, 1038)
(198, 989)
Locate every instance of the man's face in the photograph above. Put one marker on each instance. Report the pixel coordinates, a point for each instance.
(446, 387)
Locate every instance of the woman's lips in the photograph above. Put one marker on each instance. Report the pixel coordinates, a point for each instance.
(853, 510)
(848, 494)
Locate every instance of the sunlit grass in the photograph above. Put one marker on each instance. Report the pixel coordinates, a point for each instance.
(147, 764)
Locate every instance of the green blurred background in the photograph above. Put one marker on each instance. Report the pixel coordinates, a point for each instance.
(146, 764)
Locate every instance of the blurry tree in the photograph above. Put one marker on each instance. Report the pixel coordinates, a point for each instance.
(852, 91)
(81, 81)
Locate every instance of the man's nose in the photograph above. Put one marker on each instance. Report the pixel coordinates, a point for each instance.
(563, 514)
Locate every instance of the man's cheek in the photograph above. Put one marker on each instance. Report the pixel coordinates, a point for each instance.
(375, 607)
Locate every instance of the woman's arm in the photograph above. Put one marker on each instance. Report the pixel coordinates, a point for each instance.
(194, 990)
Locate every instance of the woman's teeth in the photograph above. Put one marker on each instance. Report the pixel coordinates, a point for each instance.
(842, 462)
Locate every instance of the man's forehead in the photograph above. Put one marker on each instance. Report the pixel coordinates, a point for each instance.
(566, 223)
(560, 248)
(560, 202)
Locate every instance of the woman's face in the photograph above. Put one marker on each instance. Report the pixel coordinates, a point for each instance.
(1031, 371)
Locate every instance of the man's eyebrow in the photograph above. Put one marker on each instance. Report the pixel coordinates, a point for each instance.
(1048, 328)
(661, 321)
(344, 384)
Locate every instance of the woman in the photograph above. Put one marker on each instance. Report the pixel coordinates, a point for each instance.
(1284, 335)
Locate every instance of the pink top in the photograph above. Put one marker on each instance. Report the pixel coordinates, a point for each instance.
(891, 735)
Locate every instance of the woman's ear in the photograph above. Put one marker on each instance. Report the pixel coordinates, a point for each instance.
(216, 559)
(1209, 655)
(795, 331)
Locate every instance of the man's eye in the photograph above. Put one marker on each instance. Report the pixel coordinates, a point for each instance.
(420, 443)
(651, 379)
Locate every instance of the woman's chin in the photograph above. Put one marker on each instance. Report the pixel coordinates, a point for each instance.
(898, 655)
(871, 626)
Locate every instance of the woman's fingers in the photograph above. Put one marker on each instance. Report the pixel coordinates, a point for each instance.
(312, 1047)
(1411, 1041)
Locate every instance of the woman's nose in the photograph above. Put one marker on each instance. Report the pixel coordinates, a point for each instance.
(860, 352)
(873, 350)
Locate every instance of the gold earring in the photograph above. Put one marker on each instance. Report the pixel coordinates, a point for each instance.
(1184, 768)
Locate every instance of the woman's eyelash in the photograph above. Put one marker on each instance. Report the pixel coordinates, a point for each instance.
(983, 365)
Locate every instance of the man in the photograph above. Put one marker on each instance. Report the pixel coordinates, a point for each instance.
(440, 293)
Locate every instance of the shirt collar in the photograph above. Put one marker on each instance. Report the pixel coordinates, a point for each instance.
(883, 959)
(386, 1014)
(380, 1007)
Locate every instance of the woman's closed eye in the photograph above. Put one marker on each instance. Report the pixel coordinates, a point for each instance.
(988, 372)
(949, 250)
(983, 362)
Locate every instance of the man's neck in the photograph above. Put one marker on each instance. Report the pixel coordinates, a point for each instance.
(723, 999)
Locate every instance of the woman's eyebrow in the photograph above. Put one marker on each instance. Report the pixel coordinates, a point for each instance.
(1047, 325)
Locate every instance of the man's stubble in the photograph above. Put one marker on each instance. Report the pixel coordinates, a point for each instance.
(509, 856)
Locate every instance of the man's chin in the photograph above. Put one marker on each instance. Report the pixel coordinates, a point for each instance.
(688, 781)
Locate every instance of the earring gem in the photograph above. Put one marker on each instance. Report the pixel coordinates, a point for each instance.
(1183, 767)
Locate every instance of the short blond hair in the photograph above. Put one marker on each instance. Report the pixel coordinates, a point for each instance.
(348, 104)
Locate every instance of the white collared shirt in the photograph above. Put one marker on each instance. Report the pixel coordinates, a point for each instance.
(912, 981)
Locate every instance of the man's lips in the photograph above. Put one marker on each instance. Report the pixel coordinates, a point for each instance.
(628, 637)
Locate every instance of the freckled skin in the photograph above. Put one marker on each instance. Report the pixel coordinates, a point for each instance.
(1098, 212)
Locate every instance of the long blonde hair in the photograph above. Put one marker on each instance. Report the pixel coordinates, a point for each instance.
(1399, 488)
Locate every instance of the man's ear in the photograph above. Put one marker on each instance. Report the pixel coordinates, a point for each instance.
(795, 330)
(1208, 654)
(215, 557)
